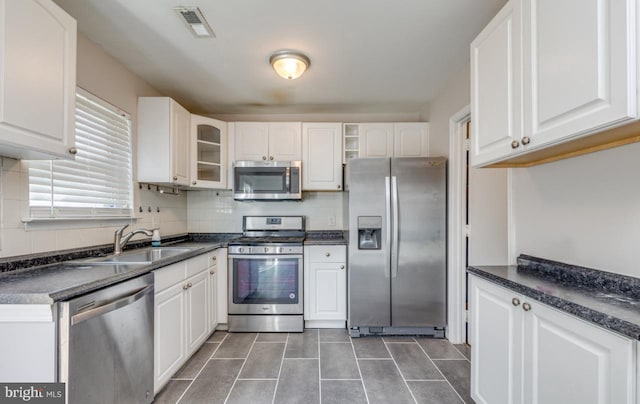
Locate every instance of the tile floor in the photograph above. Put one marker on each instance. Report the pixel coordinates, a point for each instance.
(321, 366)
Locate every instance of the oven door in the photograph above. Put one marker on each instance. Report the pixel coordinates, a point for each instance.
(265, 284)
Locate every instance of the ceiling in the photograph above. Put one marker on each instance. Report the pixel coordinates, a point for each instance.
(366, 55)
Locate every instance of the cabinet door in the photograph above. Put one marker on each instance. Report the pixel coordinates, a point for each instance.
(222, 304)
(322, 156)
(197, 313)
(251, 141)
(285, 141)
(328, 292)
(570, 361)
(208, 153)
(180, 121)
(212, 309)
(411, 139)
(495, 87)
(169, 334)
(579, 66)
(376, 139)
(37, 80)
(495, 334)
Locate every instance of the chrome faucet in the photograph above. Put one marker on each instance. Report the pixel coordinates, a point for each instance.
(119, 241)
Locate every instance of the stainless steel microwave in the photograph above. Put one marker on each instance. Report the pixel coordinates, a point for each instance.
(267, 180)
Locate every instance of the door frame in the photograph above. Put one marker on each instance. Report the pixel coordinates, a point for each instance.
(456, 246)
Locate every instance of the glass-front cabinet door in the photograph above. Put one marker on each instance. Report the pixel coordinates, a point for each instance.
(208, 153)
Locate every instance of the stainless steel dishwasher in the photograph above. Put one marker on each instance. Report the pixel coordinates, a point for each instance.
(106, 344)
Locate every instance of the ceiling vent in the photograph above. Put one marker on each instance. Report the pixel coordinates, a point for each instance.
(194, 20)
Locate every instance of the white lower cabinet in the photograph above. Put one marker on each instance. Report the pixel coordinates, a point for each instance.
(527, 352)
(325, 286)
(183, 305)
(217, 288)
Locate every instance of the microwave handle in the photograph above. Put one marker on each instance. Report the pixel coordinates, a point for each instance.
(287, 179)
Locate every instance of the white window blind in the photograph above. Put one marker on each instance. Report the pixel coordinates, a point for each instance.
(99, 182)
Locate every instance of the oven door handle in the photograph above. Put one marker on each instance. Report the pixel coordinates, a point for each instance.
(287, 179)
(263, 256)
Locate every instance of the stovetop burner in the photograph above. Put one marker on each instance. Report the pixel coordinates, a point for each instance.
(272, 240)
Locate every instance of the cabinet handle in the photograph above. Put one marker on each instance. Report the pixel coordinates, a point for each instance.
(341, 266)
(193, 182)
(526, 306)
(270, 157)
(339, 186)
(515, 144)
(327, 254)
(515, 301)
(189, 284)
(185, 287)
(175, 178)
(526, 140)
(73, 150)
(212, 272)
(264, 157)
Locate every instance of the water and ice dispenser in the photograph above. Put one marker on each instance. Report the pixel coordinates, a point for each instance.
(369, 232)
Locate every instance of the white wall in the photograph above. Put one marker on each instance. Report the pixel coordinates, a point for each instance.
(216, 211)
(584, 210)
(105, 77)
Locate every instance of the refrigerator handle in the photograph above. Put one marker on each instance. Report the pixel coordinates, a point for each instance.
(396, 227)
(387, 192)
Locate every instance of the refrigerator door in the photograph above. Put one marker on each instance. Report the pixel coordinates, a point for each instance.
(369, 269)
(418, 274)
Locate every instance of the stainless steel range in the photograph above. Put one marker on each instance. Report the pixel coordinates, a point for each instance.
(265, 275)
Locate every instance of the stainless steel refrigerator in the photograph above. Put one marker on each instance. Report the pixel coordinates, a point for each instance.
(397, 246)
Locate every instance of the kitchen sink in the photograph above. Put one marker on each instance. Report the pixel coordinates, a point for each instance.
(142, 257)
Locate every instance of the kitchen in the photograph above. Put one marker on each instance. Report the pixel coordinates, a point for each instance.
(590, 223)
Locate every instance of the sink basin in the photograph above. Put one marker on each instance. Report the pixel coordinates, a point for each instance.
(142, 257)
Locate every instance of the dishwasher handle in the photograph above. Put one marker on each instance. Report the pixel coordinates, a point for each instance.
(111, 306)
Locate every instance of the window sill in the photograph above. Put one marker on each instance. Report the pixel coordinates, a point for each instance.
(55, 223)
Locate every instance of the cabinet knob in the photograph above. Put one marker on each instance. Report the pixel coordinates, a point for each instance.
(515, 144)
(189, 284)
(193, 182)
(214, 258)
(212, 272)
(526, 306)
(175, 178)
(270, 157)
(73, 150)
(327, 254)
(185, 287)
(264, 157)
(341, 266)
(515, 301)
(339, 186)
(526, 140)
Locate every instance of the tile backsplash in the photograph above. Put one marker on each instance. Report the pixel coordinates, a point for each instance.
(217, 211)
(18, 239)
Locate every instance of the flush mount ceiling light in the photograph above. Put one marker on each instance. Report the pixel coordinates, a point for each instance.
(289, 64)
(194, 20)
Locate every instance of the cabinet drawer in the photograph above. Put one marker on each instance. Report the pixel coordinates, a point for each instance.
(329, 253)
(213, 258)
(169, 276)
(197, 264)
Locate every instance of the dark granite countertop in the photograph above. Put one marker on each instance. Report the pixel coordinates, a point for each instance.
(48, 284)
(609, 300)
(329, 237)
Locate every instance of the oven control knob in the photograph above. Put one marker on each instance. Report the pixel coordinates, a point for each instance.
(281, 250)
(266, 250)
(241, 249)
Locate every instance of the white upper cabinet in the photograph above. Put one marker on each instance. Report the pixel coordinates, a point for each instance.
(37, 80)
(322, 156)
(276, 141)
(376, 140)
(550, 72)
(579, 67)
(163, 141)
(208, 152)
(411, 139)
(495, 87)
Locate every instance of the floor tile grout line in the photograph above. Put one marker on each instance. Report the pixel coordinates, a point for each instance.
(319, 370)
(375, 359)
(241, 367)
(439, 371)
(427, 380)
(341, 380)
(450, 359)
(400, 371)
(353, 348)
(254, 379)
(461, 353)
(284, 352)
(202, 368)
